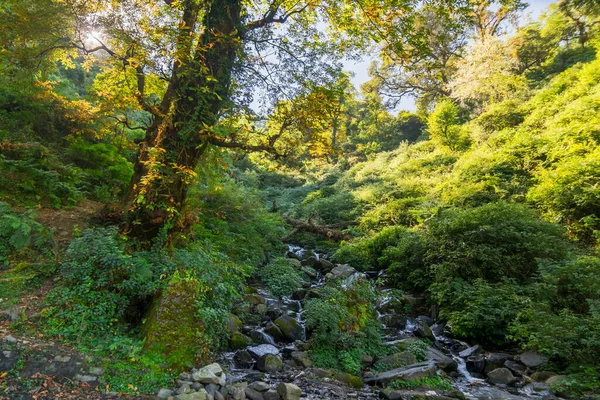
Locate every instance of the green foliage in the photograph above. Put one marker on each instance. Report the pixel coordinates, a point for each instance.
(419, 349)
(328, 205)
(437, 382)
(582, 382)
(443, 125)
(344, 327)
(22, 236)
(281, 277)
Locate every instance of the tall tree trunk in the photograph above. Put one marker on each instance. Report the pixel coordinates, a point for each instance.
(175, 142)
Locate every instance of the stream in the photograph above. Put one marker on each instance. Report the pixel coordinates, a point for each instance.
(457, 358)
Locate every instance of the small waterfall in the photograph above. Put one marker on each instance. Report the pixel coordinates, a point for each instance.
(462, 369)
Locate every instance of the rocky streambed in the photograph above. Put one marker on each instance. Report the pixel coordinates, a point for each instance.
(270, 360)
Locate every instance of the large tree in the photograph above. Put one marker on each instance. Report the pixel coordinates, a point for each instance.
(200, 55)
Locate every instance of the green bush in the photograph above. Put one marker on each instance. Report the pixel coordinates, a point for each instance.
(430, 383)
(281, 277)
(21, 235)
(344, 327)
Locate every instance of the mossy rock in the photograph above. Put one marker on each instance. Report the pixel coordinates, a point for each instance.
(239, 341)
(290, 328)
(172, 331)
(351, 380)
(234, 323)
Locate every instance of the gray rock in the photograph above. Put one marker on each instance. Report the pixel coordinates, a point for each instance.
(409, 373)
(501, 376)
(243, 359)
(260, 337)
(423, 330)
(290, 328)
(211, 388)
(271, 395)
(62, 359)
(556, 379)
(262, 350)
(533, 359)
(516, 368)
(253, 394)
(254, 299)
(441, 360)
(289, 391)
(185, 376)
(425, 319)
(201, 395)
(341, 271)
(269, 363)
(476, 364)
(96, 371)
(296, 263)
(471, 351)
(274, 331)
(219, 396)
(495, 360)
(259, 386)
(9, 339)
(212, 373)
(184, 389)
(164, 394)
(301, 358)
(13, 313)
(324, 265)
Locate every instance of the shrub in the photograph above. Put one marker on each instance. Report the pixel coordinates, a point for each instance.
(443, 125)
(344, 327)
(281, 277)
(21, 235)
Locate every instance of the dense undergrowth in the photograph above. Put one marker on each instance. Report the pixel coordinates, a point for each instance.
(487, 203)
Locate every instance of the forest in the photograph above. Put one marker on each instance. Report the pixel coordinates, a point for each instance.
(197, 202)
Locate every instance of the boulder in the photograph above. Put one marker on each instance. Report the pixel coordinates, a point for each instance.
(471, 351)
(271, 395)
(234, 323)
(289, 391)
(516, 368)
(425, 319)
(556, 379)
(261, 350)
(253, 394)
(310, 272)
(200, 395)
(269, 363)
(164, 394)
(294, 262)
(324, 265)
(501, 376)
(476, 364)
(423, 330)
(254, 299)
(243, 359)
(349, 379)
(212, 373)
(260, 337)
(274, 331)
(409, 373)
(441, 360)
(259, 386)
(239, 341)
(301, 359)
(495, 360)
(341, 271)
(310, 261)
(290, 328)
(532, 359)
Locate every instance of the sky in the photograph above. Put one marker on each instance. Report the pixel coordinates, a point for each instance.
(360, 69)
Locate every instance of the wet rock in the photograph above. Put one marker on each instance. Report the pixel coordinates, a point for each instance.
(299, 294)
(425, 319)
(340, 272)
(259, 386)
(424, 331)
(310, 272)
(253, 394)
(476, 364)
(269, 363)
(239, 341)
(394, 321)
(261, 350)
(441, 360)
(438, 329)
(533, 359)
(471, 351)
(324, 265)
(212, 373)
(273, 330)
(260, 337)
(501, 376)
(163, 394)
(409, 373)
(301, 358)
(254, 299)
(271, 395)
(496, 360)
(234, 323)
(289, 391)
(310, 261)
(516, 368)
(290, 328)
(349, 379)
(243, 359)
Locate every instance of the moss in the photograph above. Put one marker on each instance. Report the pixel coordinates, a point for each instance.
(239, 341)
(172, 329)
